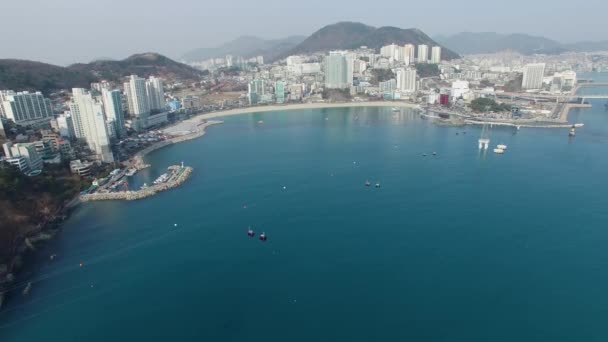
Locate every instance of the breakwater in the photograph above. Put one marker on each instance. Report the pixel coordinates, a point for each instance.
(179, 176)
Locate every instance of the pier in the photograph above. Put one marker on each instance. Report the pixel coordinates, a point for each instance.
(179, 175)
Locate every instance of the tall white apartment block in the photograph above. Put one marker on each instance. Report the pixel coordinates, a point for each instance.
(423, 53)
(89, 115)
(112, 105)
(410, 53)
(137, 97)
(338, 70)
(533, 76)
(156, 93)
(436, 55)
(406, 80)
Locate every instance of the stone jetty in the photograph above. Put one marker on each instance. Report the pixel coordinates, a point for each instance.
(178, 177)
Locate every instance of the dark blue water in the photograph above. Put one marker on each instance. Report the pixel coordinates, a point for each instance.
(463, 246)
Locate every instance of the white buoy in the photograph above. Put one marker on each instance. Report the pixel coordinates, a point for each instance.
(284, 188)
(175, 225)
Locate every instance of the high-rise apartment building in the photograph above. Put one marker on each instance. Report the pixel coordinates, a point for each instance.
(390, 51)
(338, 70)
(112, 105)
(410, 53)
(423, 53)
(436, 55)
(279, 91)
(156, 93)
(533, 76)
(406, 80)
(137, 97)
(25, 107)
(89, 116)
(256, 89)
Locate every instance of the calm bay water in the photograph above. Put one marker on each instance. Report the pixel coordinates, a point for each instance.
(459, 247)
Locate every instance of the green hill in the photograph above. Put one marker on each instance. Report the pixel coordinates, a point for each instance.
(28, 75)
(351, 35)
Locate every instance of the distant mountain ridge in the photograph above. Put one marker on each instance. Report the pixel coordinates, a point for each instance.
(21, 75)
(247, 47)
(352, 35)
(492, 42)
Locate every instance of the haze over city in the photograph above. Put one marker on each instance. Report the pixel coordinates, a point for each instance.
(277, 170)
(69, 31)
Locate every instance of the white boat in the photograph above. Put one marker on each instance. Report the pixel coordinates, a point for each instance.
(163, 178)
(499, 151)
(395, 109)
(502, 147)
(579, 125)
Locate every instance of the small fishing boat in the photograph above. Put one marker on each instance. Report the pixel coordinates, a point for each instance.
(250, 233)
(27, 289)
(368, 183)
(378, 185)
(263, 237)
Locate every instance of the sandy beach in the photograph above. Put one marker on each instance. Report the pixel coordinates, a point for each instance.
(186, 125)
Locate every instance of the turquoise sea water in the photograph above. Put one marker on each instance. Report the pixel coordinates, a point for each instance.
(463, 246)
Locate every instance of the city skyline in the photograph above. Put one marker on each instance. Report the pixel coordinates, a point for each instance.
(76, 40)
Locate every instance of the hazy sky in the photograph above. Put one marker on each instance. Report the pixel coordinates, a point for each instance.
(67, 31)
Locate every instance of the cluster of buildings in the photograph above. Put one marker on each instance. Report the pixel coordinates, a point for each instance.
(101, 115)
(229, 61)
(300, 78)
(94, 118)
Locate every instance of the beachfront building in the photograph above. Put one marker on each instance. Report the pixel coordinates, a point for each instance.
(406, 80)
(90, 123)
(112, 105)
(533, 76)
(279, 91)
(338, 70)
(25, 108)
(256, 91)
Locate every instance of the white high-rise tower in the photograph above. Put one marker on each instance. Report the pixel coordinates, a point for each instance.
(436, 55)
(533, 76)
(338, 70)
(112, 105)
(156, 93)
(90, 118)
(406, 80)
(137, 96)
(423, 53)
